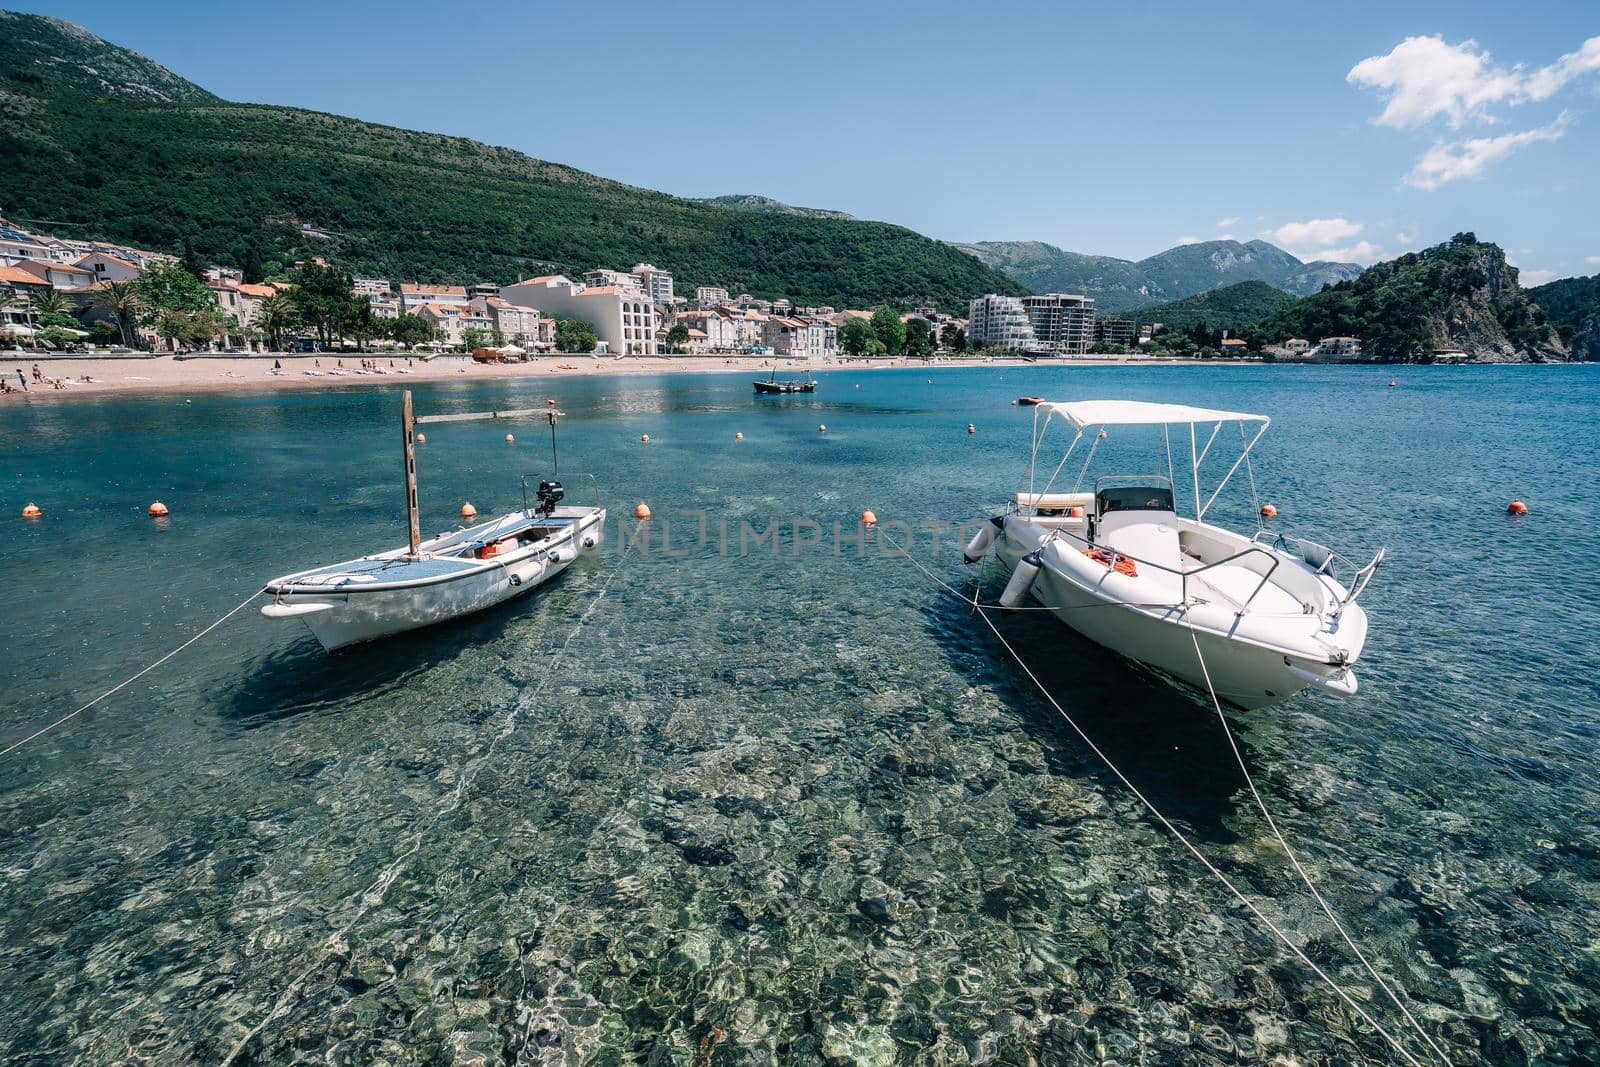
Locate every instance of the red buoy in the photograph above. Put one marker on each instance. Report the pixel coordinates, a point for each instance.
(1516, 507)
(1268, 511)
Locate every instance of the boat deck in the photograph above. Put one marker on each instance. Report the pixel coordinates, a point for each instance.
(381, 569)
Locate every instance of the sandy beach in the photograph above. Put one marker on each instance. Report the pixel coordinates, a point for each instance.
(82, 376)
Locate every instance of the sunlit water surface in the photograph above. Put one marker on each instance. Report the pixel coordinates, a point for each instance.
(773, 809)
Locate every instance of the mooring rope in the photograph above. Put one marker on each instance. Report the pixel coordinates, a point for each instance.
(124, 684)
(1166, 823)
(374, 894)
(1294, 860)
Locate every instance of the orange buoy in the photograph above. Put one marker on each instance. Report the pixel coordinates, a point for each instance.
(30, 510)
(468, 511)
(822, 428)
(645, 438)
(158, 509)
(971, 428)
(642, 511)
(1268, 511)
(1516, 507)
(738, 437)
(510, 440)
(422, 438)
(1074, 513)
(869, 518)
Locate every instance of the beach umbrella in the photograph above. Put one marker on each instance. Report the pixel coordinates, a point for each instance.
(512, 350)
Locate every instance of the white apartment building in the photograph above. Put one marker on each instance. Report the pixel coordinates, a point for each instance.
(656, 283)
(800, 338)
(710, 295)
(1062, 323)
(721, 329)
(999, 320)
(371, 287)
(623, 319)
(414, 297)
(1338, 348)
(596, 279)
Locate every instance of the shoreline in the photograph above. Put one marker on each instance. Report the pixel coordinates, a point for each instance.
(145, 374)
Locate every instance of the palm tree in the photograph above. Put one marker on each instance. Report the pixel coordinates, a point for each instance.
(124, 301)
(275, 314)
(47, 302)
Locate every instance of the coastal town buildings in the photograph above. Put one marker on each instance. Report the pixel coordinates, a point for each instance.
(800, 338)
(1062, 323)
(710, 295)
(622, 279)
(107, 267)
(1295, 346)
(656, 283)
(999, 321)
(1110, 331)
(623, 319)
(518, 325)
(371, 288)
(1338, 348)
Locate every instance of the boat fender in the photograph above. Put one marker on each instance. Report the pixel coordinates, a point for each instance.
(1022, 580)
(983, 540)
(588, 542)
(525, 572)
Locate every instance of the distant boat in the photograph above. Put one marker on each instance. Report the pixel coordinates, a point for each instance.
(792, 385)
(445, 578)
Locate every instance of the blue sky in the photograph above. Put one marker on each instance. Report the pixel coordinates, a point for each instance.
(1348, 130)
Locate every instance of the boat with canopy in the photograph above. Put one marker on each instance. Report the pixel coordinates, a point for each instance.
(1259, 617)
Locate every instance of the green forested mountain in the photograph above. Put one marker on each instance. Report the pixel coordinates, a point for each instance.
(1233, 307)
(1123, 285)
(752, 202)
(1461, 295)
(120, 148)
(1573, 305)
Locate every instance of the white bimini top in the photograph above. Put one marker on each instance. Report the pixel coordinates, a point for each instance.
(1085, 413)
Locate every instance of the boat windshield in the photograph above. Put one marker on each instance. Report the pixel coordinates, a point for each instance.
(1134, 498)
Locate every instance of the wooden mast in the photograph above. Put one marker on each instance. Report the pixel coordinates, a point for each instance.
(407, 428)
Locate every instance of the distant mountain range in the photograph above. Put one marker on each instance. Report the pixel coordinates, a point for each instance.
(1232, 307)
(1123, 284)
(105, 143)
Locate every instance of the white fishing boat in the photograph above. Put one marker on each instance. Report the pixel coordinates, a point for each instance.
(452, 575)
(1269, 613)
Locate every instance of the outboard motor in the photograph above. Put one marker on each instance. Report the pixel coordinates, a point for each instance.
(551, 493)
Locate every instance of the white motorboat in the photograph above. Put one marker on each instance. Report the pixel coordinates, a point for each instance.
(452, 575)
(1268, 612)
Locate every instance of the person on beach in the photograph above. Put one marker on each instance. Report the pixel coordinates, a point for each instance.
(23, 378)
(37, 375)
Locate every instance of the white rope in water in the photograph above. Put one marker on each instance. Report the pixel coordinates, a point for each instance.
(124, 684)
(1294, 860)
(374, 893)
(1166, 823)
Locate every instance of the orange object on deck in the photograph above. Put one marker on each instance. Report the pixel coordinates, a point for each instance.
(1121, 564)
(488, 551)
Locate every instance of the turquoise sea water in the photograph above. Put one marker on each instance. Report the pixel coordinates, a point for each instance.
(773, 809)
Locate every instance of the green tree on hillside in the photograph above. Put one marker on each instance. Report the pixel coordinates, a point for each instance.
(677, 337)
(855, 335)
(889, 330)
(125, 301)
(919, 338)
(411, 330)
(953, 337)
(575, 335)
(191, 261)
(473, 337)
(323, 297)
(252, 266)
(176, 303)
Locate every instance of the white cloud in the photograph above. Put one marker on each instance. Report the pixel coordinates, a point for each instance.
(1536, 277)
(1363, 252)
(1227, 237)
(1424, 78)
(1188, 240)
(1231, 220)
(1449, 161)
(1406, 238)
(1315, 233)
(1593, 261)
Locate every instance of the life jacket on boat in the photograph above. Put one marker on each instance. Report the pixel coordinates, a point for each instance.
(1122, 564)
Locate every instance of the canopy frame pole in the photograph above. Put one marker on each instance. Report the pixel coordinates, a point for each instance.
(1206, 451)
(1222, 484)
(1194, 469)
(1055, 473)
(1166, 440)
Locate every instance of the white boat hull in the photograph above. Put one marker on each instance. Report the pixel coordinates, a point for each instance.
(1253, 661)
(350, 613)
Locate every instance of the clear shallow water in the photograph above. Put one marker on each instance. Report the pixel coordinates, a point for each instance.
(776, 809)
